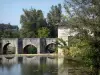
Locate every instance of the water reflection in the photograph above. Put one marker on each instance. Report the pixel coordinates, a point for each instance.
(41, 66)
(27, 66)
(72, 67)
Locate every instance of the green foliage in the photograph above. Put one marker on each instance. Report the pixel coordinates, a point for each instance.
(8, 31)
(1, 33)
(80, 47)
(15, 34)
(43, 32)
(54, 18)
(84, 17)
(63, 45)
(32, 50)
(10, 34)
(31, 21)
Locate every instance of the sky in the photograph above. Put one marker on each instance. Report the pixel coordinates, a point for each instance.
(10, 10)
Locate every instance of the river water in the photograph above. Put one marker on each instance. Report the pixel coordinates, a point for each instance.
(40, 66)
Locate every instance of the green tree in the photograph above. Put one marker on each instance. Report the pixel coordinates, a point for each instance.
(84, 17)
(63, 45)
(9, 31)
(43, 32)
(31, 20)
(54, 18)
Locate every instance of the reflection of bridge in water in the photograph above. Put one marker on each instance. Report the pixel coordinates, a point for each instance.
(35, 63)
(5, 59)
(39, 65)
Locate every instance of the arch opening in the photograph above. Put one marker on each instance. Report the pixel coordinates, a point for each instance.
(30, 49)
(5, 48)
(51, 48)
(8, 49)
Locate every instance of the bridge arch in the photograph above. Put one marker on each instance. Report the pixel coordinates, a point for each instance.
(30, 49)
(5, 48)
(51, 48)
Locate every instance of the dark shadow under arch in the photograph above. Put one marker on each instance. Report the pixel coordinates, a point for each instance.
(30, 49)
(5, 48)
(50, 48)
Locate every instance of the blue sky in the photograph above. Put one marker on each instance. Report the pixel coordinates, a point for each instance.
(10, 10)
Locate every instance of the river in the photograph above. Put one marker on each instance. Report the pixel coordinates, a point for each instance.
(29, 65)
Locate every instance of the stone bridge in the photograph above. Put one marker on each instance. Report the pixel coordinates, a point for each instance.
(50, 40)
(21, 46)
